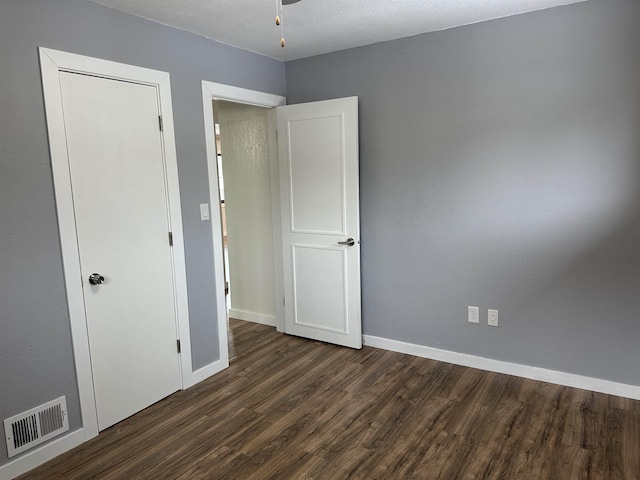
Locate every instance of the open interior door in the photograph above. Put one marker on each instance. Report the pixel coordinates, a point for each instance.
(318, 167)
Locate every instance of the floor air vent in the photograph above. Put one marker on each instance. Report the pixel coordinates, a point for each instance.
(35, 426)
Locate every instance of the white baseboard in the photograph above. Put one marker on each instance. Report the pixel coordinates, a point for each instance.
(206, 372)
(498, 366)
(253, 317)
(46, 452)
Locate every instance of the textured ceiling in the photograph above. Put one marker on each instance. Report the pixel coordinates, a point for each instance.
(312, 27)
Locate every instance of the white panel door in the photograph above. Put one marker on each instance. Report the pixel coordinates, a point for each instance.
(318, 164)
(116, 163)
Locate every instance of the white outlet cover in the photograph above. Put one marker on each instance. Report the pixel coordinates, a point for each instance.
(473, 314)
(492, 318)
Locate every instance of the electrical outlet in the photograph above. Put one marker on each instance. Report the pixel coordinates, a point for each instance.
(474, 314)
(492, 318)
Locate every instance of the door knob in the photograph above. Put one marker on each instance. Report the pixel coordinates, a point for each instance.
(96, 279)
(350, 242)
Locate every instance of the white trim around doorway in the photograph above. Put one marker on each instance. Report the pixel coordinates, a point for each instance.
(218, 91)
(52, 63)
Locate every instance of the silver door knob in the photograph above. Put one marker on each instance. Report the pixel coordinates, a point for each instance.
(96, 279)
(350, 242)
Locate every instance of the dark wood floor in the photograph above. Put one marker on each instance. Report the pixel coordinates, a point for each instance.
(290, 408)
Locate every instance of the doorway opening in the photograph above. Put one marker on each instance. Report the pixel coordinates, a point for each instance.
(244, 184)
(219, 92)
(314, 188)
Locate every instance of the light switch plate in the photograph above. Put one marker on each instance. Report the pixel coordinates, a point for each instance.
(204, 212)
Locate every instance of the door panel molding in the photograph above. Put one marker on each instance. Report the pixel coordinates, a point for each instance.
(52, 63)
(310, 185)
(316, 294)
(217, 91)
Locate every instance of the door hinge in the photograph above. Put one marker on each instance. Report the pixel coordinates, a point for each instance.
(171, 239)
(178, 344)
(283, 301)
(160, 122)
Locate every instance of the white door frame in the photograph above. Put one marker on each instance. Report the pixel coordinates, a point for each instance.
(52, 62)
(218, 91)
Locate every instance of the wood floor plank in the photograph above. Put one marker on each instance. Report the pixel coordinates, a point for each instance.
(290, 408)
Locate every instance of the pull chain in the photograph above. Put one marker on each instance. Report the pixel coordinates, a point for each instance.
(279, 21)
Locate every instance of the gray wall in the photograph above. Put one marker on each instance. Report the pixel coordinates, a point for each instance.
(500, 167)
(35, 342)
